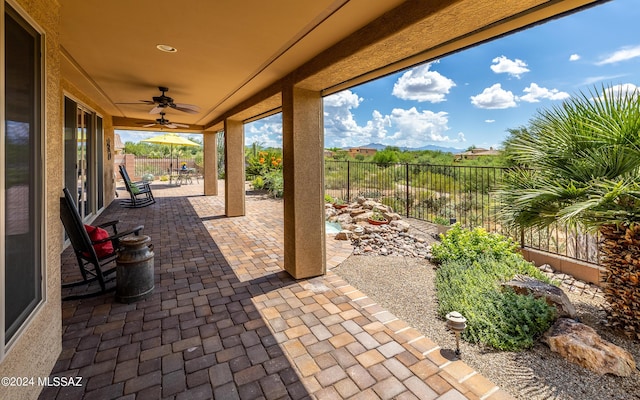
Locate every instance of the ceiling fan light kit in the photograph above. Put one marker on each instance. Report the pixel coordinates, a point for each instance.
(163, 122)
(162, 102)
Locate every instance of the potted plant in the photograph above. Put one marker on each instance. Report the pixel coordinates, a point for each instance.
(377, 218)
(339, 203)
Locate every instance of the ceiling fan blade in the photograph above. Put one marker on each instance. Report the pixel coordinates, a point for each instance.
(140, 102)
(170, 125)
(156, 110)
(180, 125)
(148, 125)
(188, 108)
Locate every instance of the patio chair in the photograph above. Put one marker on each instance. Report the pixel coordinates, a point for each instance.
(92, 255)
(139, 192)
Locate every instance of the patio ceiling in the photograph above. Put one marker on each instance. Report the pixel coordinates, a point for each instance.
(234, 55)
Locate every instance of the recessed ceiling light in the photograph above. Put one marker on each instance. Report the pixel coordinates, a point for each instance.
(166, 48)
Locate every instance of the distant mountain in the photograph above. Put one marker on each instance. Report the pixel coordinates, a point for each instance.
(379, 146)
(439, 148)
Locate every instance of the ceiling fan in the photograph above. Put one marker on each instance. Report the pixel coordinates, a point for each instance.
(163, 102)
(165, 123)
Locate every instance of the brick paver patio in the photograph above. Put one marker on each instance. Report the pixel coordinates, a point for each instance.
(226, 322)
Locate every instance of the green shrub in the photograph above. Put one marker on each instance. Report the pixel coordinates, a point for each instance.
(496, 316)
(274, 183)
(257, 183)
(473, 264)
(462, 243)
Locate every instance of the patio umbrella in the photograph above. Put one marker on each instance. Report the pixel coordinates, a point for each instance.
(170, 139)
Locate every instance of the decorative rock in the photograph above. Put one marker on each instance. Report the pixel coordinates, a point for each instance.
(402, 225)
(363, 217)
(580, 344)
(344, 235)
(391, 216)
(545, 268)
(330, 212)
(369, 204)
(343, 219)
(357, 211)
(390, 239)
(553, 295)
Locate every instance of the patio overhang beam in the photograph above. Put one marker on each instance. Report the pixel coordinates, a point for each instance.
(389, 44)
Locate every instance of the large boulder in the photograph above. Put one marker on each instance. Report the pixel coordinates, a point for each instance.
(581, 344)
(343, 219)
(344, 235)
(400, 225)
(553, 295)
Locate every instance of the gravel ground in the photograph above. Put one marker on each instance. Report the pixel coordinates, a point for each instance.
(405, 287)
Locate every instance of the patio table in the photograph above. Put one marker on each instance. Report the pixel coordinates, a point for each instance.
(182, 176)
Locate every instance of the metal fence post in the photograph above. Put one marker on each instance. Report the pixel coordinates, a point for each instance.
(348, 181)
(406, 170)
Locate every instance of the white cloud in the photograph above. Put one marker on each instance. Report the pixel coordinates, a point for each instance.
(494, 97)
(341, 128)
(574, 57)
(624, 54)
(593, 79)
(345, 98)
(267, 132)
(623, 90)
(421, 84)
(489, 121)
(534, 93)
(413, 128)
(504, 65)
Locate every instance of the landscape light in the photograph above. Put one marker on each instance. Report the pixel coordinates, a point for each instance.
(457, 323)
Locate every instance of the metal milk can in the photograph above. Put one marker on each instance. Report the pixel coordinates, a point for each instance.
(134, 269)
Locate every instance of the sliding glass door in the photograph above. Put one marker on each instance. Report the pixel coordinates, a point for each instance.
(83, 157)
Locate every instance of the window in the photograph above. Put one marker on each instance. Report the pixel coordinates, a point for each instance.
(20, 153)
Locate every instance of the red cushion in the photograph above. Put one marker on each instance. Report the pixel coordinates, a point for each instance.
(95, 233)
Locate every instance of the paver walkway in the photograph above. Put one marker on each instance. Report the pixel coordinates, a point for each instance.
(226, 322)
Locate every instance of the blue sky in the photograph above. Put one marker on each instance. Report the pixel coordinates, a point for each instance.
(472, 97)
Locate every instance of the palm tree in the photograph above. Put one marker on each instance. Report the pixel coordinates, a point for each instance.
(579, 164)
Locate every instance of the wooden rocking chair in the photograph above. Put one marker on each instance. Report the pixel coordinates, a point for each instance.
(90, 262)
(139, 192)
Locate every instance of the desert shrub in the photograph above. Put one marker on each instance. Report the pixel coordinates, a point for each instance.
(274, 183)
(396, 203)
(258, 183)
(370, 194)
(473, 264)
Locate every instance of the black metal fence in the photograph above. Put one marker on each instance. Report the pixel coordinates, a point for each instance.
(438, 193)
(161, 166)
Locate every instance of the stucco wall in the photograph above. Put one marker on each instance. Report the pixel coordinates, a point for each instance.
(37, 348)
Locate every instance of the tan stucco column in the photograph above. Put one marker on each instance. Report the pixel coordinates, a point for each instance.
(303, 162)
(210, 156)
(234, 168)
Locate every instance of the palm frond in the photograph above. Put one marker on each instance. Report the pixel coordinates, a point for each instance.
(583, 158)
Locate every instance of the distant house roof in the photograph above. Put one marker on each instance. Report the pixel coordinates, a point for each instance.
(478, 151)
